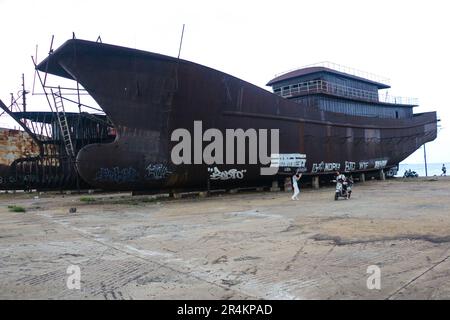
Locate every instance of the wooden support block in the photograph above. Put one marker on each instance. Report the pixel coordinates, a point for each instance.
(315, 182)
(275, 187)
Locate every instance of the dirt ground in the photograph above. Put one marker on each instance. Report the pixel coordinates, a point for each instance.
(254, 245)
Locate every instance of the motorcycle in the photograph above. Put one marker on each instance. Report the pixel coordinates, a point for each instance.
(343, 188)
(410, 174)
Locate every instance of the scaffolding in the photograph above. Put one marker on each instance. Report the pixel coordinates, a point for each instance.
(58, 133)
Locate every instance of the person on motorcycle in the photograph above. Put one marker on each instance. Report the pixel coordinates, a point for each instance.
(340, 177)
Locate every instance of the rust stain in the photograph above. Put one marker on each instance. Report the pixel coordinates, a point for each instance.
(15, 144)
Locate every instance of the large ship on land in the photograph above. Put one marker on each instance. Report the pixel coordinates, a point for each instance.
(328, 119)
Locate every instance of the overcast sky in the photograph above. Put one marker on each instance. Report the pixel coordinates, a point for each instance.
(405, 41)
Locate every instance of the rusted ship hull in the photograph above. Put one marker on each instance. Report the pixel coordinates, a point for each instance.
(147, 96)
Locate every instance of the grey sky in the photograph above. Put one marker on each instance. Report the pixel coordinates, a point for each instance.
(406, 41)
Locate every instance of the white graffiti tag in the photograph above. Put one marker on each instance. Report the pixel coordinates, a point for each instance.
(216, 174)
(363, 165)
(380, 164)
(289, 160)
(324, 167)
(350, 166)
(157, 171)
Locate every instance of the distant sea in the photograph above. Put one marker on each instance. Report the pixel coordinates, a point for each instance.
(433, 169)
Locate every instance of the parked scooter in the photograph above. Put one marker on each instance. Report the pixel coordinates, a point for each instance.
(410, 174)
(343, 187)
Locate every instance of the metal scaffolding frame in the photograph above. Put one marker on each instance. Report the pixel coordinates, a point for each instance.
(59, 134)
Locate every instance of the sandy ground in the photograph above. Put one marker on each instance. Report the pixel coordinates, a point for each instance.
(232, 246)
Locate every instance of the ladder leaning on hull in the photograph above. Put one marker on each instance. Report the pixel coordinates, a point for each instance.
(62, 121)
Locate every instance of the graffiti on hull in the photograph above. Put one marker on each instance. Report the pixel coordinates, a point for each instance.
(289, 161)
(350, 166)
(325, 167)
(23, 179)
(380, 164)
(363, 165)
(216, 174)
(157, 171)
(117, 175)
(392, 172)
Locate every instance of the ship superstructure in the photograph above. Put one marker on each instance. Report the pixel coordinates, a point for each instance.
(335, 88)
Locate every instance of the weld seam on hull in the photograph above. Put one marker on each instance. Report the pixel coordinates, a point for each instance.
(323, 123)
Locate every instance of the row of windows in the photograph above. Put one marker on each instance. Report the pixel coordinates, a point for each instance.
(356, 109)
(342, 81)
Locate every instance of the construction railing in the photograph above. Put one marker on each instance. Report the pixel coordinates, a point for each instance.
(344, 69)
(322, 86)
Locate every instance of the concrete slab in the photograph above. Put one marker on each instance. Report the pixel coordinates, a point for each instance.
(231, 246)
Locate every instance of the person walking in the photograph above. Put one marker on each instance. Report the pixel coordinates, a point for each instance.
(295, 179)
(444, 170)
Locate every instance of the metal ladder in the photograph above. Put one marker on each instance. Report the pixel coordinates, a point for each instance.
(62, 120)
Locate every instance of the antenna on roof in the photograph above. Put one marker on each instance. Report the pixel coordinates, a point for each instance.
(99, 39)
(181, 42)
(73, 35)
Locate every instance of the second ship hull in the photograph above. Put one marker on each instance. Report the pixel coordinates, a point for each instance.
(148, 96)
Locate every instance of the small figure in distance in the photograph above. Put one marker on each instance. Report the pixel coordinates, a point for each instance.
(295, 179)
(444, 170)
